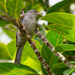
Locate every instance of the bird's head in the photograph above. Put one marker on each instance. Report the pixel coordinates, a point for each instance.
(33, 13)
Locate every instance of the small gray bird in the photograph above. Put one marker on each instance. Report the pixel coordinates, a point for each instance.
(29, 21)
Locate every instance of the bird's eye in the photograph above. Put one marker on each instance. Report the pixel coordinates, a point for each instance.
(34, 11)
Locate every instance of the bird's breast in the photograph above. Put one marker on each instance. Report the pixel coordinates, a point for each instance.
(30, 24)
(31, 28)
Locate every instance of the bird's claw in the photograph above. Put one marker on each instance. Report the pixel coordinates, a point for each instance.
(33, 43)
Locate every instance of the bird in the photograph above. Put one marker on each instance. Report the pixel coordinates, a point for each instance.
(29, 21)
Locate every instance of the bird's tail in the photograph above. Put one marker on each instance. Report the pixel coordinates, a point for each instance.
(18, 54)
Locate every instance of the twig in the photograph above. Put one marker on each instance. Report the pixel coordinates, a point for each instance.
(3, 18)
(5, 14)
(51, 47)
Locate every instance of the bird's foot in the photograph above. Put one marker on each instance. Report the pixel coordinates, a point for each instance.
(33, 43)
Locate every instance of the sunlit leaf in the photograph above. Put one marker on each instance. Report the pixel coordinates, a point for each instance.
(13, 69)
(4, 52)
(59, 5)
(66, 32)
(14, 7)
(12, 48)
(10, 33)
(63, 24)
(3, 5)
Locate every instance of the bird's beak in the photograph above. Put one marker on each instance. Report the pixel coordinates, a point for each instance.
(39, 13)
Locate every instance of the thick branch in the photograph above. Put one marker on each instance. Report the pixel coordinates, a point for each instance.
(51, 47)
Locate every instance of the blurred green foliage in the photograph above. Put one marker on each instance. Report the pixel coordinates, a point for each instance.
(60, 33)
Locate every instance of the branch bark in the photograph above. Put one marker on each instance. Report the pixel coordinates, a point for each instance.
(52, 48)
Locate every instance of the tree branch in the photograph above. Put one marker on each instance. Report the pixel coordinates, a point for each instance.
(40, 58)
(5, 16)
(51, 47)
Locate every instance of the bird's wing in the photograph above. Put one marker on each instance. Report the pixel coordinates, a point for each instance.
(17, 39)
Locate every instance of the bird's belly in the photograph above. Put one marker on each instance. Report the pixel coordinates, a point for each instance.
(31, 28)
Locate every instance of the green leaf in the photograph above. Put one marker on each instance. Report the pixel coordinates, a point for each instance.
(59, 5)
(69, 71)
(10, 33)
(14, 7)
(59, 65)
(63, 24)
(67, 8)
(37, 44)
(12, 48)
(65, 32)
(42, 30)
(3, 23)
(55, 39)
(38, 39)
(62, 19)
(35, 2)
(3, 5)
(28, 7)
(65, 47)
(12, 27)
(59, 71)
(42, 4)
(3, 52)
(13, 69)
